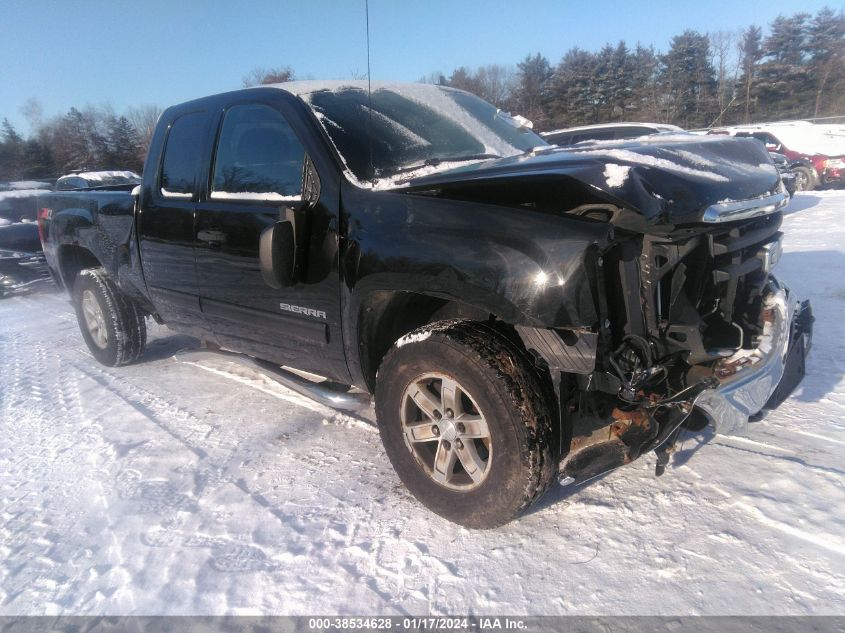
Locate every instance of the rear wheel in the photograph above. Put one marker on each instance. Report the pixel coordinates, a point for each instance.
(112, 325)
(464, 422)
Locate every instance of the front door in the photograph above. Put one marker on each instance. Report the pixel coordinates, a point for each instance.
(166, 224)
(255, 181)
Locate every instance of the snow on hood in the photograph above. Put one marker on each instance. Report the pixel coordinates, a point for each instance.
(677, 177)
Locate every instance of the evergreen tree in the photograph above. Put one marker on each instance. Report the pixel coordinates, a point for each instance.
(785, 85)
(533, 74)
(826, 46)
(123, 145)
(688, 80)
(644, 101)
(11, 152)
(751, 52)
(573, 88)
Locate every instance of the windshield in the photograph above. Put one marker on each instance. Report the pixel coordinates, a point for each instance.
(415, 126)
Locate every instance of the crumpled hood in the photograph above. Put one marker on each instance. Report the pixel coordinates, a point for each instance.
(665, 177)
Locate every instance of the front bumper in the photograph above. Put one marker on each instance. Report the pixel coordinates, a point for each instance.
(833, 176)
(752, 380)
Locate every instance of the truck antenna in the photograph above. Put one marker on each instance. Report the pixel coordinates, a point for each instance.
(369, 93)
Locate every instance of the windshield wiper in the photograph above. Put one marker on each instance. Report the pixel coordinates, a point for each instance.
(434, 162)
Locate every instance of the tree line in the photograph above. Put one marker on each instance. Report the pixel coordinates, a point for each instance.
(83, 139)
(795, 71)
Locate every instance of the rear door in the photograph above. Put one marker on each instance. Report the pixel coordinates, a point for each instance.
(255, 181)
(166, 223)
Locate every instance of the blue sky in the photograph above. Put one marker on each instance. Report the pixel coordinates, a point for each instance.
(166, 51)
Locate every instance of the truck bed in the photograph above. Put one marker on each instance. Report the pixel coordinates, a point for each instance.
(99, 221)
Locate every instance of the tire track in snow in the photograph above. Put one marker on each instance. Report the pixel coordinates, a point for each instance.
(819, 539)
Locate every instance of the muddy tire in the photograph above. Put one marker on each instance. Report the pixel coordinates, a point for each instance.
(465, 424)
(112, 325)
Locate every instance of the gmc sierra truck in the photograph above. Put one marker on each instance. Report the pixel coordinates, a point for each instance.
(520, 313)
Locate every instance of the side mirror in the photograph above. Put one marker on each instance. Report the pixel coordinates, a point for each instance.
(277, 252)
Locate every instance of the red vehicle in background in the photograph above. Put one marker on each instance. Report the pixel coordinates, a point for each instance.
(821, 147)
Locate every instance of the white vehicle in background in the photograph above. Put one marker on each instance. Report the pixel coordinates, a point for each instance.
(93, 179)
(606, 132)
(822, 145)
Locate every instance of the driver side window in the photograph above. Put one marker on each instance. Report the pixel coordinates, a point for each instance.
(258, 156)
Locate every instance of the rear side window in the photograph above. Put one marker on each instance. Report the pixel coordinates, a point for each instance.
(182, 155)
(258, 156)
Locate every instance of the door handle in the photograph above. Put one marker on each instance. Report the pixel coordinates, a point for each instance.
(212, 237)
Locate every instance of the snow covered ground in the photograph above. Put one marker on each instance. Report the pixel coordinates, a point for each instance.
(185, 486)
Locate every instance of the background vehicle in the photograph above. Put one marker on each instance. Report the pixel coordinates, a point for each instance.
(22, 264)
(520, 312)
(94, 179)
(787, 175)
(606, 131)
(18, 200)
(818, 151)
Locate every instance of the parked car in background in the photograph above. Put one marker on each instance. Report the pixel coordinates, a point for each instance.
(606, 132)
(96, 179)
(22, 263)
(18, 200)
(787, 175)
(19, 185)
(818, 151)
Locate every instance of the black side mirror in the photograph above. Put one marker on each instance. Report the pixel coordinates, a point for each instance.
(277, 252)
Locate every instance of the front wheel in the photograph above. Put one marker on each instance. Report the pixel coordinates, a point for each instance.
(804, 179)
(465, 423)
(112, 325)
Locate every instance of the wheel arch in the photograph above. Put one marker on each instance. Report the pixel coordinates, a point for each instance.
(72, 259)
(386, 316)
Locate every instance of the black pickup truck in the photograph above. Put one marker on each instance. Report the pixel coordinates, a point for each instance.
(520, 313)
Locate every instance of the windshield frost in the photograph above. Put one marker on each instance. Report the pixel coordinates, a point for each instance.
(413, 126)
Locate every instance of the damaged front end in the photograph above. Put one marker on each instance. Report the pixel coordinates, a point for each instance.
(694, 329)
(692, 326)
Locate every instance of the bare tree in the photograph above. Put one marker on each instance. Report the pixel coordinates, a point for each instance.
(143, 119)
(260, 76)
(498, 84)
(725, 60)
(436, 78)
(33, 112)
